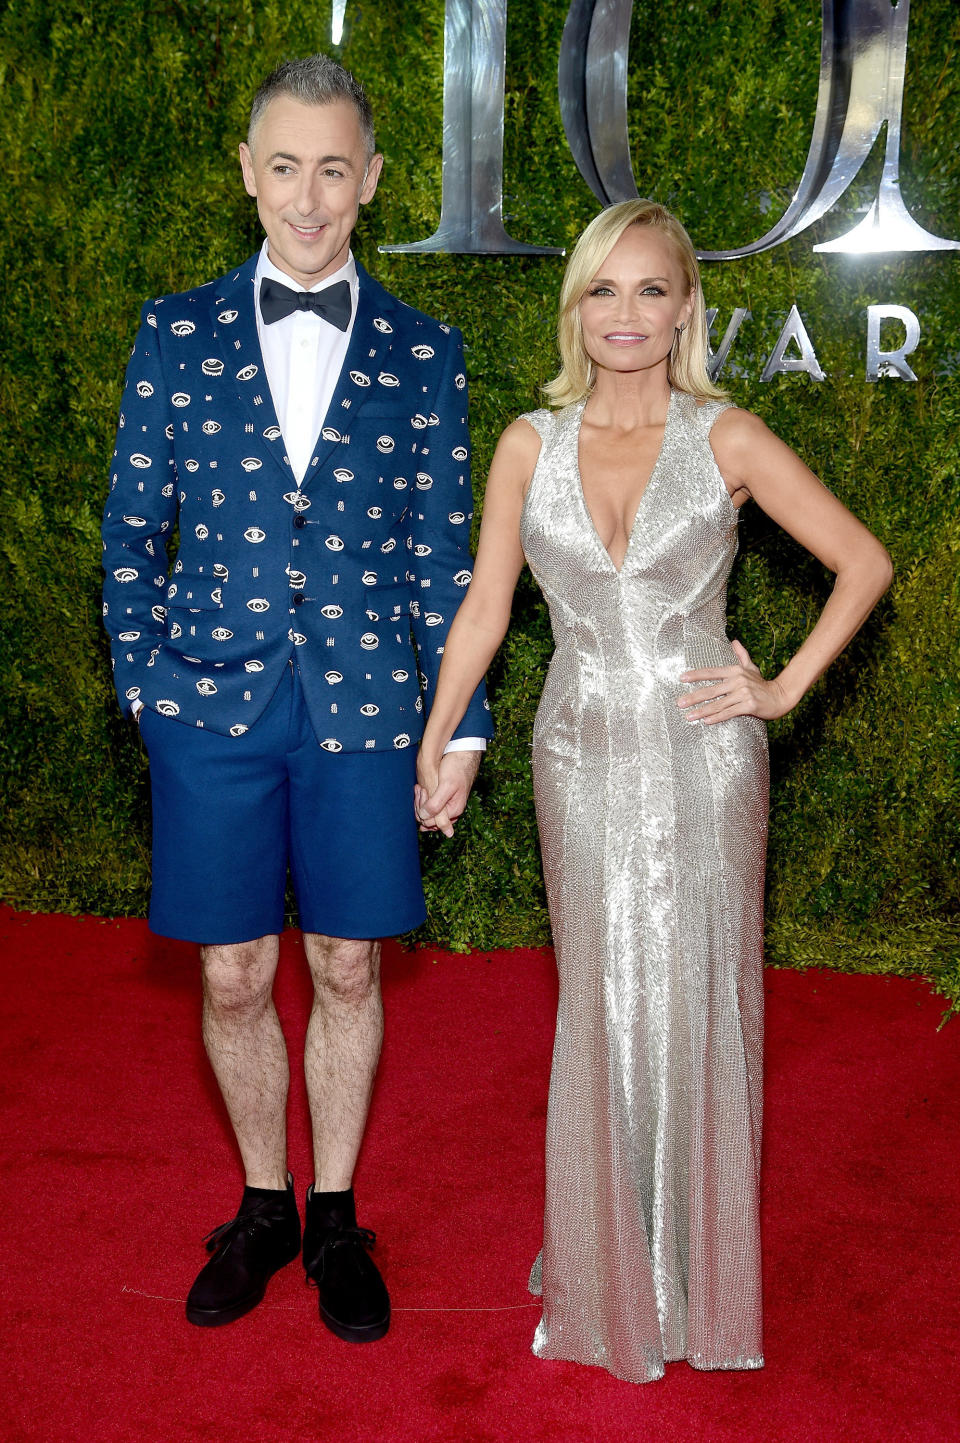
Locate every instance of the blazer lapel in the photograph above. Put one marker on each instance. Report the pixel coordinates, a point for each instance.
(370, 344)
(235, 331)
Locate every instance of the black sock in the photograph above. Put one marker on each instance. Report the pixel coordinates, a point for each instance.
(331, 1199)
(255, 1195)
(331, 1209)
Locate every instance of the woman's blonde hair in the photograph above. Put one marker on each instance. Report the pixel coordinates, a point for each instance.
(687, 362)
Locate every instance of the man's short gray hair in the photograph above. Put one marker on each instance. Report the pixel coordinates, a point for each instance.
(314, 80)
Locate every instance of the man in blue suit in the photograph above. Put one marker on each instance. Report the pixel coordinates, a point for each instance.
(305, 435)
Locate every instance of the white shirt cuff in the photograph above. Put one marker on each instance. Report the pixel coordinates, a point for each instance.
(466, 744)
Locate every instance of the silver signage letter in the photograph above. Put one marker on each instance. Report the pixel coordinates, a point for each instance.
(793, 330)
(890, 363)
(716, 360)
(862, 64)
(592, 80)
(471, 201)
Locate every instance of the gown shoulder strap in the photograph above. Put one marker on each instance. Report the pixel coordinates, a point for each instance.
(709, 412)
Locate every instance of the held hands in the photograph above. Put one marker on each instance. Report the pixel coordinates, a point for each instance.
(733, 691)
(442, 790)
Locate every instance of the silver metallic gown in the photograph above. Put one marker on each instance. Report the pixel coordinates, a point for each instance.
(653, 832)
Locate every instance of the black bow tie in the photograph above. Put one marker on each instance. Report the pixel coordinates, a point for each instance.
(334, 304)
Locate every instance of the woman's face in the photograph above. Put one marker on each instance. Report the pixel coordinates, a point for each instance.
(630, 310)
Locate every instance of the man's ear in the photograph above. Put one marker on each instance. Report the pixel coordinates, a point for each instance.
(369, 188)
(246, 165)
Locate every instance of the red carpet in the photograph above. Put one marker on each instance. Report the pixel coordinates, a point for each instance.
(117, 1161)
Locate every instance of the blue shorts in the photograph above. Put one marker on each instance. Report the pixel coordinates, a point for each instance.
(230, 814)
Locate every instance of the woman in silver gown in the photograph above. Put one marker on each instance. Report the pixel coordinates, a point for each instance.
(650, 775)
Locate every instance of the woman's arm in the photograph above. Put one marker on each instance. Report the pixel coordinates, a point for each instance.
(755, 463)
(482, 618)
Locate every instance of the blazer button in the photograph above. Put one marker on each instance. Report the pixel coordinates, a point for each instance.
(298, 598)
(299, 522)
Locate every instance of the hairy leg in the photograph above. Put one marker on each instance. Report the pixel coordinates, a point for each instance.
(344, 1037)
(244, 1042)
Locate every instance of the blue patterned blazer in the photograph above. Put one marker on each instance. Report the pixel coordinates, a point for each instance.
(358, 572)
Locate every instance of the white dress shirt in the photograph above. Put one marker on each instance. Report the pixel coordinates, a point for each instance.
(303, 356)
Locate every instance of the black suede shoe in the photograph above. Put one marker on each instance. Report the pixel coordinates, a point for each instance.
(244, 1255)
(354, 1303)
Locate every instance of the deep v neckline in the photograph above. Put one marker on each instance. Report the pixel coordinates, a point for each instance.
(643, 494)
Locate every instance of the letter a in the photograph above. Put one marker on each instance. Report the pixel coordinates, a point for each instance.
(793, 330)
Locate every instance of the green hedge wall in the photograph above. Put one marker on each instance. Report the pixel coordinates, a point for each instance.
(119, 132)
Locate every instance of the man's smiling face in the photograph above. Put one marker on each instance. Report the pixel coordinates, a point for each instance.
(309, 172)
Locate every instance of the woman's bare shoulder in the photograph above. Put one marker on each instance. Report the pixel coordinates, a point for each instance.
(520, 442)
(736, 432)
(530, 424)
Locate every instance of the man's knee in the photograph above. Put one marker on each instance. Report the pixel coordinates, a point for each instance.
(344, 969)
(238, 977)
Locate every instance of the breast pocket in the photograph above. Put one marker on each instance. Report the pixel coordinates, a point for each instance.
(391, 432)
